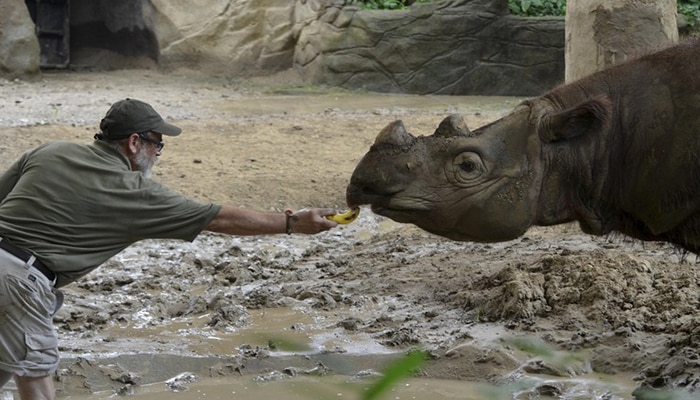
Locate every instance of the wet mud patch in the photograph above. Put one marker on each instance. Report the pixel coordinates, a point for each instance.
(615, 308)
(485, 312)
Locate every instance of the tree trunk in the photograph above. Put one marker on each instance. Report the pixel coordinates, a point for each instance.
(600, 33)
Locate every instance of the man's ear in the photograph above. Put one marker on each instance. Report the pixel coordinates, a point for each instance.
(132, 143)
(588, 117)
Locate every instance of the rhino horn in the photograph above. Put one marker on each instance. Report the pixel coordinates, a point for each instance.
(453, 125)
(395, 134)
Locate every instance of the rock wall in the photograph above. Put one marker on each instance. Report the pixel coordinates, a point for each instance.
(445, 47)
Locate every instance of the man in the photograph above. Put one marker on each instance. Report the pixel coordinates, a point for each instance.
(66, 208)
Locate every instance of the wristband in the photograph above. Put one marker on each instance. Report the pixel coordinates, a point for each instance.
(288, 221)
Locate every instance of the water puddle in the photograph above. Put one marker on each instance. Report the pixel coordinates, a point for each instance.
(352, 362)
(333, 387)
(351, 388)
(291, 330)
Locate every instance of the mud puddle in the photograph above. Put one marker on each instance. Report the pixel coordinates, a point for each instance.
(302, 389)
(297, 330)
(260, 317)
(336, 387)
(281, 385)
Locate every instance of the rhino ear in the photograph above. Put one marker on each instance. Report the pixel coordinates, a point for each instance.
(453, 125)
(395, 134)
(591, 116)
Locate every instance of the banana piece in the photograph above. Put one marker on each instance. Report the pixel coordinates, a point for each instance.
(346, 217)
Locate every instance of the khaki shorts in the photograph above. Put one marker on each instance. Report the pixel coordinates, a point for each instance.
(28, 342)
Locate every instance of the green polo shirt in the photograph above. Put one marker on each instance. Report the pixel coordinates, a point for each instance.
(75, 206)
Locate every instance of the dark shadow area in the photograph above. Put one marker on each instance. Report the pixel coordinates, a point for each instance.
(100, 34)
(51, 22)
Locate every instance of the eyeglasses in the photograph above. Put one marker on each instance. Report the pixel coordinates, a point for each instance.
(159, 145)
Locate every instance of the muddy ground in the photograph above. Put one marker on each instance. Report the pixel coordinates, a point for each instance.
(615, 305)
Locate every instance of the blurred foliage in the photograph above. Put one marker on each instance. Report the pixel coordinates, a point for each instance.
(537, 8)
(384, 4)
(656, 394)
(404, 367)
(690, 9)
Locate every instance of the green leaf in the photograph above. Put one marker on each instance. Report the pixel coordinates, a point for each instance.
(395, 372)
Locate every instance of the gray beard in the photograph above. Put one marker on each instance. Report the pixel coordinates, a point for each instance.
(144, 163)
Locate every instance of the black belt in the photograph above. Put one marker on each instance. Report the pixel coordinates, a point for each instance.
(25, 256)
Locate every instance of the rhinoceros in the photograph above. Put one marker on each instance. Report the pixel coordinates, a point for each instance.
(618, 150)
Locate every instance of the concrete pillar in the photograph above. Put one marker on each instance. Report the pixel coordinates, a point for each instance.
(600, 33)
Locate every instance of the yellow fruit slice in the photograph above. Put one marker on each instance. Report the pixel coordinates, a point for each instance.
(346, 217)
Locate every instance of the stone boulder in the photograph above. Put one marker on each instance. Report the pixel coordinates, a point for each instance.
(19, 45)
(228, 37)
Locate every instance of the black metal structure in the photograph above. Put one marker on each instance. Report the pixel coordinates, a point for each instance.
(52, 21)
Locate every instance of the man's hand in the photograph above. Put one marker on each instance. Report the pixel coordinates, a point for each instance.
(310, 220)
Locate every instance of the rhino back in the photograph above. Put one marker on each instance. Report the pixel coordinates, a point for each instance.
(641, 176)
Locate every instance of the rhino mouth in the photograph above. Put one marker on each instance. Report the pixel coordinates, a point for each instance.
(359, 195)
(401, 214)
(375, 201)
(386, 204)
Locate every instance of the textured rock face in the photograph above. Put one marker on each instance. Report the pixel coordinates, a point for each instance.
(233, 36)
(19, 46)
(445, 47)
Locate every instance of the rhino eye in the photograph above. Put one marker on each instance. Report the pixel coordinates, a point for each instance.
(467, 166)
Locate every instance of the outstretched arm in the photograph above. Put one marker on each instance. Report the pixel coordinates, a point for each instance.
(240, 221)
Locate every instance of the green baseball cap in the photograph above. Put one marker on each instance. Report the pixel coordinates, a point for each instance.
(134, 116)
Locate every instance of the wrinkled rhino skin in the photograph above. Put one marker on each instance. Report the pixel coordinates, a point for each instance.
(618, 150)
